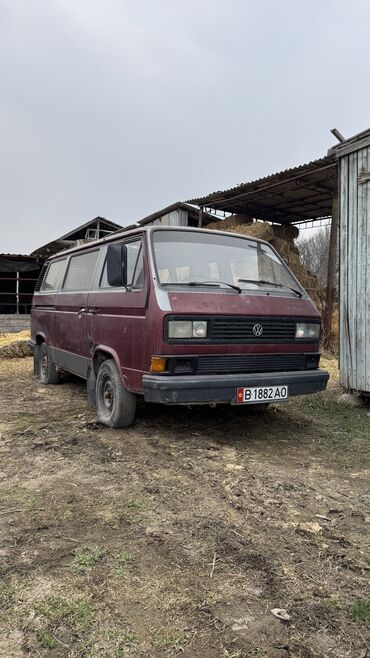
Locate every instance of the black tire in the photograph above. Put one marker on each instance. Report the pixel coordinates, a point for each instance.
(115, 406)
(36, 359)
(47, 371)
(91, 387)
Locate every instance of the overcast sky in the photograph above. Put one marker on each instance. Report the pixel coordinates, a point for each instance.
(120, 107)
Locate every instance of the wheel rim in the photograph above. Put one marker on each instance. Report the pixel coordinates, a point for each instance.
(107, 394)
(44, 365)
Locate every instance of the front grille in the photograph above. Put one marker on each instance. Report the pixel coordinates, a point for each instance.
(243, 363)
(240, 330)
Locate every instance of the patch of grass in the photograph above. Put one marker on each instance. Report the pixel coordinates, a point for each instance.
(134, 509)
(85, 558)
(360, 611)
(11, 594)
(21, 496)
(77, 613)
(45, 638)
(57, 616)
(112, 643)
(345, 423)
(123, 560)
(170, 640)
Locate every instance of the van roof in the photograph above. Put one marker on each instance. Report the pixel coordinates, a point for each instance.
(118, 235)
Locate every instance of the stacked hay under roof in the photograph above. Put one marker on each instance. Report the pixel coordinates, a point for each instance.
(282, 239)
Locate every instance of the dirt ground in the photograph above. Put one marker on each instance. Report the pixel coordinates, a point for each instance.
(180, 535)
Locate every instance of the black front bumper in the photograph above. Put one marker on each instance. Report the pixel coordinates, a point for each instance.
(205, 389)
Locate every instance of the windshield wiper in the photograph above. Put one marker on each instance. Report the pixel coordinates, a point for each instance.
(271, 283)
(203, 283)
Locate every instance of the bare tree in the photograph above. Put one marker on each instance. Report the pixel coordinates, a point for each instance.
(314, 252)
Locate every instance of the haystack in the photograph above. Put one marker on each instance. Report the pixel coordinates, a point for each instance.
(237, 224)
(14, 345)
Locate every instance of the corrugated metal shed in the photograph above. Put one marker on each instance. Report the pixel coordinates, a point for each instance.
(302, 193)
(354, 232)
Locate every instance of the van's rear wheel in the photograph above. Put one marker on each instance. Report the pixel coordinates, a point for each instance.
(46, 369)
(115, 406)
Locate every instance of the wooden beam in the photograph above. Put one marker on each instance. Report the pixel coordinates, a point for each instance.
(200, 217)
(332, 265)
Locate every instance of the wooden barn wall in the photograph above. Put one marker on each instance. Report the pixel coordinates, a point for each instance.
(355, 272)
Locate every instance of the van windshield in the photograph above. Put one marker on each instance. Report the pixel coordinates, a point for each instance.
(214, 259)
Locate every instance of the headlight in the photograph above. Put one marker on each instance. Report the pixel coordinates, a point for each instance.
(187, 329)
(307, 330)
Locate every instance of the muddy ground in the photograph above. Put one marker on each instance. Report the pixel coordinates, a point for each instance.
(179, 535)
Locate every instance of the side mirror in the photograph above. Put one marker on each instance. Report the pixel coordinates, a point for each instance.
(116, 264)
(285, 259)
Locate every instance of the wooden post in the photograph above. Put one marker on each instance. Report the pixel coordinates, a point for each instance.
(17, 293)
(200, 218)
(332, 265)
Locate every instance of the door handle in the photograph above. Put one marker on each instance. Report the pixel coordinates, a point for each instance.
(80, 312)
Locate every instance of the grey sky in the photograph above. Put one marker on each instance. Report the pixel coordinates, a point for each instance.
(120, 107)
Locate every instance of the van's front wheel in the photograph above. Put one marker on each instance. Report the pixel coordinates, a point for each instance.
(45, 367)
(115, 406)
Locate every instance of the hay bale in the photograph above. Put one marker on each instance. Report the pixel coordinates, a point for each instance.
(232, 223)
(286, 232)
(240, 219)
(261, 230)
(18, 349)
(7, 337)
(281, 246)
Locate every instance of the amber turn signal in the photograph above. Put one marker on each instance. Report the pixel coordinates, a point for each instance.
(157, 364)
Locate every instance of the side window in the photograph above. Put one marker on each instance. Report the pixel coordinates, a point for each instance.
(135, 267)
(80, 271)
(53, 275)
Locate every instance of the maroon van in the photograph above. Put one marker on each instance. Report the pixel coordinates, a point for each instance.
(178, 316)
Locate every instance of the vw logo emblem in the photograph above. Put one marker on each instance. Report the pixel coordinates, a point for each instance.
(258, 330)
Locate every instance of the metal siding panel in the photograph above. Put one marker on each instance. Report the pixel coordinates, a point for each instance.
(366, 275)
(352, 269)
(361, 267)
(343, 310)
(183, 218)
(175, 218)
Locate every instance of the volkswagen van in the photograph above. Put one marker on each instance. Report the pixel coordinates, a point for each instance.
(177, 316)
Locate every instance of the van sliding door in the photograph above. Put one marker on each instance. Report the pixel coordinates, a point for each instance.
(117, 315)
(71, 347)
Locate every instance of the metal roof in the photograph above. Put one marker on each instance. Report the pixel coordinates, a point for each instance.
(302, 193)
(79, 233)
(179, 205)
(113, 226)
(18, 257)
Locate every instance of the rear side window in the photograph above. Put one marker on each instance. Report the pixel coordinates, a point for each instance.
(80, 271)
(135, 267)
(53, 275)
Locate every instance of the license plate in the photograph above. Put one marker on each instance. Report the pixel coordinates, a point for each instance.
(260, 394)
